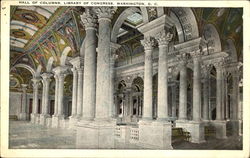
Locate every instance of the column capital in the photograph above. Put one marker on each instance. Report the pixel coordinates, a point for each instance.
(219, 64)
(60, 70)
(163, 38)
(24, 87)
(89, 19)
(148, 43)
(206, 68)
(183, 57)
(46, 75)
(105, 13)
(36, 80)
(196, 55)
(77, 62)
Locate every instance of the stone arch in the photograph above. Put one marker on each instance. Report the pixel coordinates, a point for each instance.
(212, 36)
(29, 68)
(121, 19)
(50, 64)
(231, 50)
(144, 13)
(82, 48)
(38, 71)
(64, 55)
(137, 84)
(186, 23)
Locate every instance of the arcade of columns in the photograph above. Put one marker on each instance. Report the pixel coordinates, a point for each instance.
(93, 107)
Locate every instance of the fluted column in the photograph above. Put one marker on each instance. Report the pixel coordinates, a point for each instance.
(206, 71)
(183, 88)
(103, 62)
(46, 83)
(219, 78)
(148, 44)
(79, 92)
(163, 39)
(196, 87)
(74, 92)
(89, 89)
(35, 95)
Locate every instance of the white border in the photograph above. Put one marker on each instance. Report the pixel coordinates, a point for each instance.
(5, 152)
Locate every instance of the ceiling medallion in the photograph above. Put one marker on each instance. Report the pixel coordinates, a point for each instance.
(30, 17)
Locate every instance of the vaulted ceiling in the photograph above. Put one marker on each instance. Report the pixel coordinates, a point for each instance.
(39, 33)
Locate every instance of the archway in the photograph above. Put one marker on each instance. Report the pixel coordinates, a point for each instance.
(137, 98)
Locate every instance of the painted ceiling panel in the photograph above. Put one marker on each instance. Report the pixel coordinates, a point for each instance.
(23, 24)
(26, 21)
(16, 43)
(19, 39)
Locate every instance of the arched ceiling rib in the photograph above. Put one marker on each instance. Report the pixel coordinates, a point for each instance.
(26, 21)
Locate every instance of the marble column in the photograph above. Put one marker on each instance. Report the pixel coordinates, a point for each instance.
(89, 20)
(183, 89)
(206, 71)
(96, 130)
(196, 87)
(235, 94)
(23, 110)
(219, 78)
(56, 95)
(79, 92)
(60, 94)
(45, 98)
(173, 89)
(163, 39)
(114, 47)
(148, 44)
(74, 92)
(219, 123)
(103, 63)
(35, 99)
(60, 73)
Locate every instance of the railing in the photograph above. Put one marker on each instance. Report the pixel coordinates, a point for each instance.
(118, 131)
(134, 134)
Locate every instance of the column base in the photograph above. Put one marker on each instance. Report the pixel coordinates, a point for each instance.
(220, 127)
(33, 118)
(22, 116)
(56, 121)
(195, 128)
(234, 127)
(155, 134)
(95, 134)
(43, 118)
(73, 122)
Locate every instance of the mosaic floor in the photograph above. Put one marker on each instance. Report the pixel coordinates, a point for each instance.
(24, 135)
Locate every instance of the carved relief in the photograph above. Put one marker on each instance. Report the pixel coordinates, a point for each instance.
(105, 12)
(148, 43)
(163, 38)
(89, 19)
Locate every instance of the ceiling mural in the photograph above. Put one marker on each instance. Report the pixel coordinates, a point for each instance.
(39, 33)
